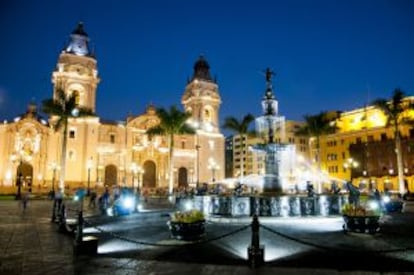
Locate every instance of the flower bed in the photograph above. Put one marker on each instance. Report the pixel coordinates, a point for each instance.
(361, 218)
(189, 225)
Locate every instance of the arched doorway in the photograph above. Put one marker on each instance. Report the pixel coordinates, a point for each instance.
(24, 175)
(149, 177)
(182, 177)
(111, 175)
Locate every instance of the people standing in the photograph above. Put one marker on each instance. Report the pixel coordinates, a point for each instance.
(104, 201)
(58, 200)
(92, 199)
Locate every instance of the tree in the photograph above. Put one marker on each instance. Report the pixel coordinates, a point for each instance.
(63, 108)
(172, 122)
(395, 111)
(317, 126)
(241, 128)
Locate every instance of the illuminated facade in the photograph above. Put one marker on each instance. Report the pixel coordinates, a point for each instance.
(111, 153)
(363, 150)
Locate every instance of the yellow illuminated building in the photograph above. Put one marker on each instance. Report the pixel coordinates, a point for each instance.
(111, 153)
(363, 150)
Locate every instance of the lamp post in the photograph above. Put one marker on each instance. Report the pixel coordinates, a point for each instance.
(196, 126)
(19, 183)
(213, 167)
(133, 169)
(191, 175)
(53, 180)
(197, 147)
(54, 167)
(89, 167)
(351, 164)
(19, 178)
(140, 172)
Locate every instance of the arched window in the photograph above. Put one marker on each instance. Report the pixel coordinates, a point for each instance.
(182, 177)
(207, 115)
(149, 179)
(77, 97)
(24, 174)
(111, 175)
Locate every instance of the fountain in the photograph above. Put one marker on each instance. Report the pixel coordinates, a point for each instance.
(280, 178)
(280, 158)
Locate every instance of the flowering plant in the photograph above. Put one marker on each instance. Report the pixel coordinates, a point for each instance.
(370, 208)
(187, 216)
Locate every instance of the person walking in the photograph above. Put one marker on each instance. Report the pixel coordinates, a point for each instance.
(92, 199)
(25, 200)
(58, 199)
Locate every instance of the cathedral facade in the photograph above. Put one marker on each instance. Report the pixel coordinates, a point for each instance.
(108, 153)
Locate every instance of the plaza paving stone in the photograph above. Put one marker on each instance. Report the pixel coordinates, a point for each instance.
(31, 244)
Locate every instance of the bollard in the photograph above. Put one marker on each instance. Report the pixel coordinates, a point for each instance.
(79, 230)
(54, 211)
(62, 218)
(255, 251)
(87, 245)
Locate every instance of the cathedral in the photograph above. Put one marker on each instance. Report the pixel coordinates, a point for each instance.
(107, 153)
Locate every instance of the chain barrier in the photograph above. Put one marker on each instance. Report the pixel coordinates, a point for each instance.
(72, 210)
(124, 238)
(76, 210)
(225, 235)
(322, 247)
(332, 248)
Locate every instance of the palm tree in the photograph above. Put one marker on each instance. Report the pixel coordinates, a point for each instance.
(316, 126)
(172, 122)
(241, 128)
(394, 110)
(64, 108)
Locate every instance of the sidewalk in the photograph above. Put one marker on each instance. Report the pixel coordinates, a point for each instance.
(30, 244)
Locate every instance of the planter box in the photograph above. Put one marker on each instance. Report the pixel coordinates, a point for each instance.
(361, 224)
(187, 231)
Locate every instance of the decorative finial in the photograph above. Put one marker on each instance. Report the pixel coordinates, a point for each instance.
(269, 73)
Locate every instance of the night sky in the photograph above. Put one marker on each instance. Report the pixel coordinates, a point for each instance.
(328, 55)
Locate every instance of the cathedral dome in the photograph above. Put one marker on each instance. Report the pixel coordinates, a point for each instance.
(79, 42)
(79, 30)
(202, 69)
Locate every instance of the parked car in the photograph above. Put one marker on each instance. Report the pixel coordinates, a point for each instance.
(392, 202)
(409, 196)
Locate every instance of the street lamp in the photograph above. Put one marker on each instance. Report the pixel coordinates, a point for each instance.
(351, 163)
(191, 175)
(134, 169)
(213, 166)
(196, 126)
(198, 162)
(140, 172)
(54, 166)
(20, 178)
(89, 167)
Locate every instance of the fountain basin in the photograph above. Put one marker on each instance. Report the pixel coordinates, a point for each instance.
(264, 206)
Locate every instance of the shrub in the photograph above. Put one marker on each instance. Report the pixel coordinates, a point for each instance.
(187, 216)
(361, 210)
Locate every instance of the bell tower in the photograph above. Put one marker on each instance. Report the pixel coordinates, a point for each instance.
(76, 70)
(201, 98)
